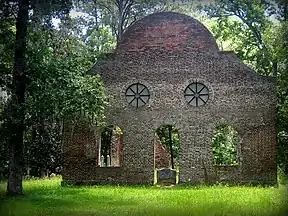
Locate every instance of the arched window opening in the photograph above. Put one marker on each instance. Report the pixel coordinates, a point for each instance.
(111, 147)
(224, 144)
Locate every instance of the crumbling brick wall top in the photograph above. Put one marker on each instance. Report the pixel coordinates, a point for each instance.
(167, 31)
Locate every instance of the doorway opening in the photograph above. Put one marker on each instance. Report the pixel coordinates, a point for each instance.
(166, 154)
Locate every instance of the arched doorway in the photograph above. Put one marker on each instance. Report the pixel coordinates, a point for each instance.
(166, 154)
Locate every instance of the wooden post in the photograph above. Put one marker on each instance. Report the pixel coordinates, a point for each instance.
(28, 170)
(102, 161)
(108, 161)
(170, 142)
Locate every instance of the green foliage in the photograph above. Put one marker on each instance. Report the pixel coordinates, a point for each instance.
(100, 41)
(42, 148)
(282, 96)
(106, 138)
(282, 177)
(7, 33)
(118, 130)
(224, 144)
(242, 24)
(57, 89)
(57, 64)
(3, 146)
(118, 15)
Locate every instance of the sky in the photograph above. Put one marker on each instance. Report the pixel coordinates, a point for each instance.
(73, 14)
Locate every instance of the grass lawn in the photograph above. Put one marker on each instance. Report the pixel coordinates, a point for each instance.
(47, 197)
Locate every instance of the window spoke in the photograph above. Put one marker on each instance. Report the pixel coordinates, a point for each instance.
(191, 89)
(201, 89)
(132, 100)
(191, 100)
(142, 90)
(203, 100)
(132, 90)
(142, 100)
(189, 94)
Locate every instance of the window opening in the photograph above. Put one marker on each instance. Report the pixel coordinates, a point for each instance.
(111, 147)
(224, 144)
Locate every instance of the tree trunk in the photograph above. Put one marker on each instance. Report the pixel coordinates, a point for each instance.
(285, 11)
(14, 186)
(96, 15)
(120, 4)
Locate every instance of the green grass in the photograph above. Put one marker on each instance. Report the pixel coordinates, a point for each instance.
(47, 197)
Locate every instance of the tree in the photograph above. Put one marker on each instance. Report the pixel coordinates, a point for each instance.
(118, 15)
(16, 119)
(57, 63)
(282, 106)
(14, 186)
(244, 24)
(7, 34)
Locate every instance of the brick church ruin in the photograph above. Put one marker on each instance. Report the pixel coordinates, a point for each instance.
(168, 70)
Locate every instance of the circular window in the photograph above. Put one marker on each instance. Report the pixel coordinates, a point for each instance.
(137, 95)
(196, 94)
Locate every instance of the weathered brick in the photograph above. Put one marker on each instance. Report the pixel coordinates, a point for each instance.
(166, 52)
(162, 156)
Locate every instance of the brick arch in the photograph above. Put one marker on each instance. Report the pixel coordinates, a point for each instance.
(167, 31)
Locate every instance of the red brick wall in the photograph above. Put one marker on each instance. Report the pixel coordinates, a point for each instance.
(162, 156)
(237, 96)
(116, 150)
(169, 32)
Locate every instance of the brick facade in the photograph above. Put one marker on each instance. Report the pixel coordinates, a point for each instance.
(166, 52)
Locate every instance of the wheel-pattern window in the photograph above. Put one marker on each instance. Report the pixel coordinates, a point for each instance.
(137, 95)
(196, 94)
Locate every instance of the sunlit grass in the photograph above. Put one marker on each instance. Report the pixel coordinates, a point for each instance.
(47, 197)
